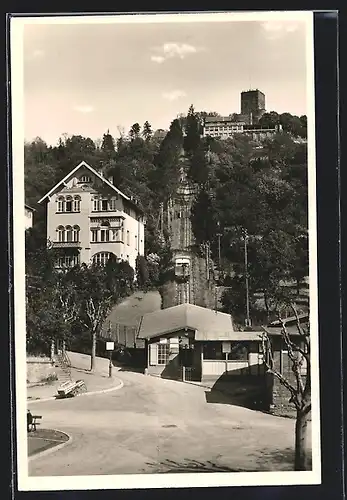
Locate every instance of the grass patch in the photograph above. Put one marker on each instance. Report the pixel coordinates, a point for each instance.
(43, 439)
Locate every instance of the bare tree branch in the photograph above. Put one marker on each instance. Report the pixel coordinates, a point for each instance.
(267, 350)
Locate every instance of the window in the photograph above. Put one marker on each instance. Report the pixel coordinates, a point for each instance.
(95, 204)
(104, 204)
(126, 210)
(68, 233)
(213, 350)
(85, 178)
(94, 235)
(101, 258)
(113, 204)
(68, 204)
(115, 234)
(76, 233)
(60, 204)
(68, 261)
(104, 235)
(122, 234)
(105, 232)
(128, 258)
(239, 352)
(76, 204)
(163, 354)
(128, 237)
(60, 233)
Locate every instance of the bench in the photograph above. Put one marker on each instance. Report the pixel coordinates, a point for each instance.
(32, 421)
(71, 389)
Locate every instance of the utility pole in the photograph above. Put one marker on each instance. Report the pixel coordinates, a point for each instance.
(248, 321)
(219, 235)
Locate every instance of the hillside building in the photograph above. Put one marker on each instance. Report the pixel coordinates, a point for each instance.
(224, 127)
(246, 122)
(89, 219)
(29, 216)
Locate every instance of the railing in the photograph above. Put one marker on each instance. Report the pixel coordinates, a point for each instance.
(219, 367)
(66, 244)
(66, 359)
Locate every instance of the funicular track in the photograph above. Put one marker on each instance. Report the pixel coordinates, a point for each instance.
(192, 274)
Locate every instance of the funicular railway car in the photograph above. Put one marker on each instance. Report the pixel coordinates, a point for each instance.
(182, 267)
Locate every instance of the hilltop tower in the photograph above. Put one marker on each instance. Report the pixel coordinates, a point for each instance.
(253, 104)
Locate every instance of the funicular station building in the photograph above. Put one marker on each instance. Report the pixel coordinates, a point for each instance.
(189, 341)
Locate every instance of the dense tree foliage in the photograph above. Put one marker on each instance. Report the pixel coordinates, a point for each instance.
(295, 125)
(261, 192)
(242, 184)
(62, 304)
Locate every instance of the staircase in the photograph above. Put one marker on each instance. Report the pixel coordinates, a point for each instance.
(62, 362)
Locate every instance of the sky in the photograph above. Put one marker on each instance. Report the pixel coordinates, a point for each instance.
(85, 79)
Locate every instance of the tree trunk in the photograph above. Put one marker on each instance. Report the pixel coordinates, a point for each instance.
(301, 453)
(92, 357)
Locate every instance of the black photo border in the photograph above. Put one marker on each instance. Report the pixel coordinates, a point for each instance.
(328, 188)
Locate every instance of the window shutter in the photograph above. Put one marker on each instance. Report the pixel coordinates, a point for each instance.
(153, 354)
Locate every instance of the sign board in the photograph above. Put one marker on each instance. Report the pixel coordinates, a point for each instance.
(109, 346)
(226, 347)
(140, 343)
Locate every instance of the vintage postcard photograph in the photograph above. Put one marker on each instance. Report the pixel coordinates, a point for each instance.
(165, 281)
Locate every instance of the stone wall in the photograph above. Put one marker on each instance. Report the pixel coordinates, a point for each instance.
(39, 369)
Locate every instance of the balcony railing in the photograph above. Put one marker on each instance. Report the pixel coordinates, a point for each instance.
(67, 244)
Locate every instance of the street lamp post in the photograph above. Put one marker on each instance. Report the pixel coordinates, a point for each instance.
(245, 240)
(219, 235)
(110, 349)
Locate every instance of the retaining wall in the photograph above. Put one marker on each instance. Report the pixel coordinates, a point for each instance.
(39, 369)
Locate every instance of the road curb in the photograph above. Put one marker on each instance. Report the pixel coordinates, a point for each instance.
(52, 449)
(91, 393)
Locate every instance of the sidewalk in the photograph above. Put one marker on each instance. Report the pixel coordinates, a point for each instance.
(80, 366)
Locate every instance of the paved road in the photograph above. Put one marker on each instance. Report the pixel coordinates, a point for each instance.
(151, 421)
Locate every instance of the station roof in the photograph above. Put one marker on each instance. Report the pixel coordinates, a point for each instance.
(208, 324)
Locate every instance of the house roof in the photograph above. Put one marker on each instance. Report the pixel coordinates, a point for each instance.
(207, 324)
(216, 119)
(277, 331)
(290, 320)
(93, 171)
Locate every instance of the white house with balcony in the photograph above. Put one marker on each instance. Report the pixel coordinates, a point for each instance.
(89, 219)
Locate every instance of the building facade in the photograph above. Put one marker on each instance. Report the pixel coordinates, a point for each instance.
(222, 127)
(89, 220)
(225, 127)
(29, 216)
